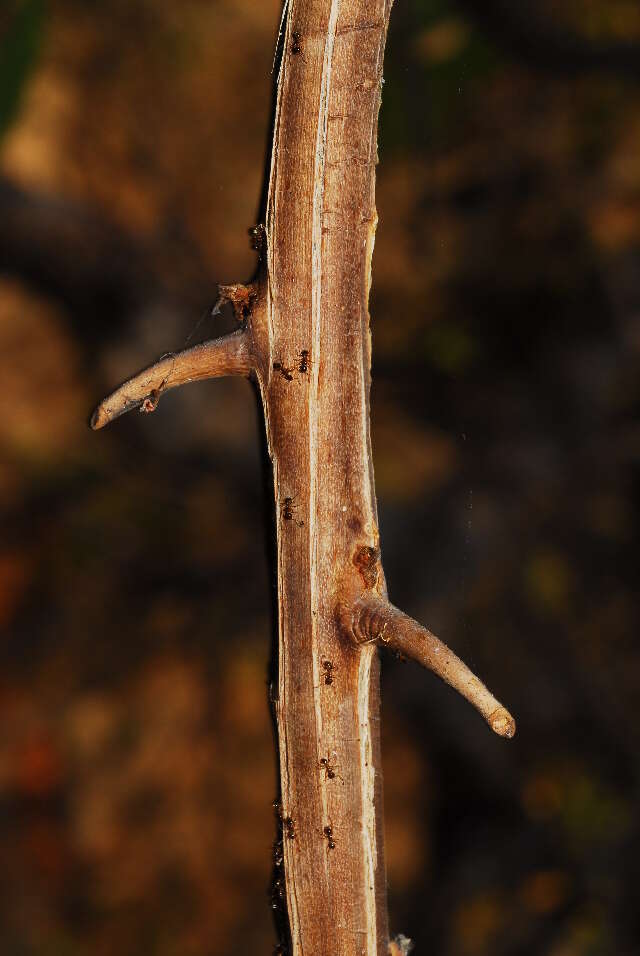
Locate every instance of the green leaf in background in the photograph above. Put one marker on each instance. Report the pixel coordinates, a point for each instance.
(19, 46)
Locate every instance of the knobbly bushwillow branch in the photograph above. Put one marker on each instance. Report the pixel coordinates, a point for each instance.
(303, 339)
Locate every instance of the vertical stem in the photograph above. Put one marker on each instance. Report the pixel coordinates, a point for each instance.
(321, 222)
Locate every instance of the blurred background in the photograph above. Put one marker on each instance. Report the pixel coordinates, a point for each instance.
(136, 757)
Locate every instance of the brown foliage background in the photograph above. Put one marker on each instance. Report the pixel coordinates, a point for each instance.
(136, 758)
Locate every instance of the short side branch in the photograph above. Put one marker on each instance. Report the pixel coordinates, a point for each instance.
(228, 355)
(374, 620)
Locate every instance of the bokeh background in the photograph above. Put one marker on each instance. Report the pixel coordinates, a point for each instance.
(136, 757)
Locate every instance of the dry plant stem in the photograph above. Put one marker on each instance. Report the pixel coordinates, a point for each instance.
(321, 221)
(375, 620)
(305, 340)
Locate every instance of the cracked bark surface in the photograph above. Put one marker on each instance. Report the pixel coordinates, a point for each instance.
(303, 338)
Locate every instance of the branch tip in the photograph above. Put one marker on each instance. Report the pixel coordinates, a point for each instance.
(502, 723)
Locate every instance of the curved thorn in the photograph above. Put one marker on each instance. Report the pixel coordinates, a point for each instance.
(228, 355)
(375, 621)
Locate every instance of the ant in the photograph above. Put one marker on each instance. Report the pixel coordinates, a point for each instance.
(150, 402)
(287, 512)
(289, 826)
(258, 238)
(277, 894)
(328, 668)
(304, 361)
(284, 371)
(278, 854)
(328, 832)
(296, 45)
(329, 768)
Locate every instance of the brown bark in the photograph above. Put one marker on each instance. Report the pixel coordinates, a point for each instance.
(304, 337)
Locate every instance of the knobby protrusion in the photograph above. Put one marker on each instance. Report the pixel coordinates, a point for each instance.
(374, 621)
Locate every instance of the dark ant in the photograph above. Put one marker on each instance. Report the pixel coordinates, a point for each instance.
(328, 669)
(150, 403)
(328, 832)
(278, 854)
(296, 45)
(290, 828)
(277, 877)
(304, 361)
(328, 767)
(277, 894)
(287, 512)
(258, 238)
(284, 371)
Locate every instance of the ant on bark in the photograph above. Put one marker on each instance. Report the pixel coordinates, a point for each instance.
(258, 240)
(278, 854)
(328, 833)
(296, 44)
(330, 771)
(287, 371)
(277, 894)
(328, 668)
(287, 824)
(287, 511)
(284, 371)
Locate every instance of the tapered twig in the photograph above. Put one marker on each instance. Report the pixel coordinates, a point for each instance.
(228, 355)
(375, 621)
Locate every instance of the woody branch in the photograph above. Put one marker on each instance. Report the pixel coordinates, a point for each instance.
(370, 619)
(232, 354)
(374, 620)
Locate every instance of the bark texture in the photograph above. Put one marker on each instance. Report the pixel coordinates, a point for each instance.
(321, 221)
(304, 338)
